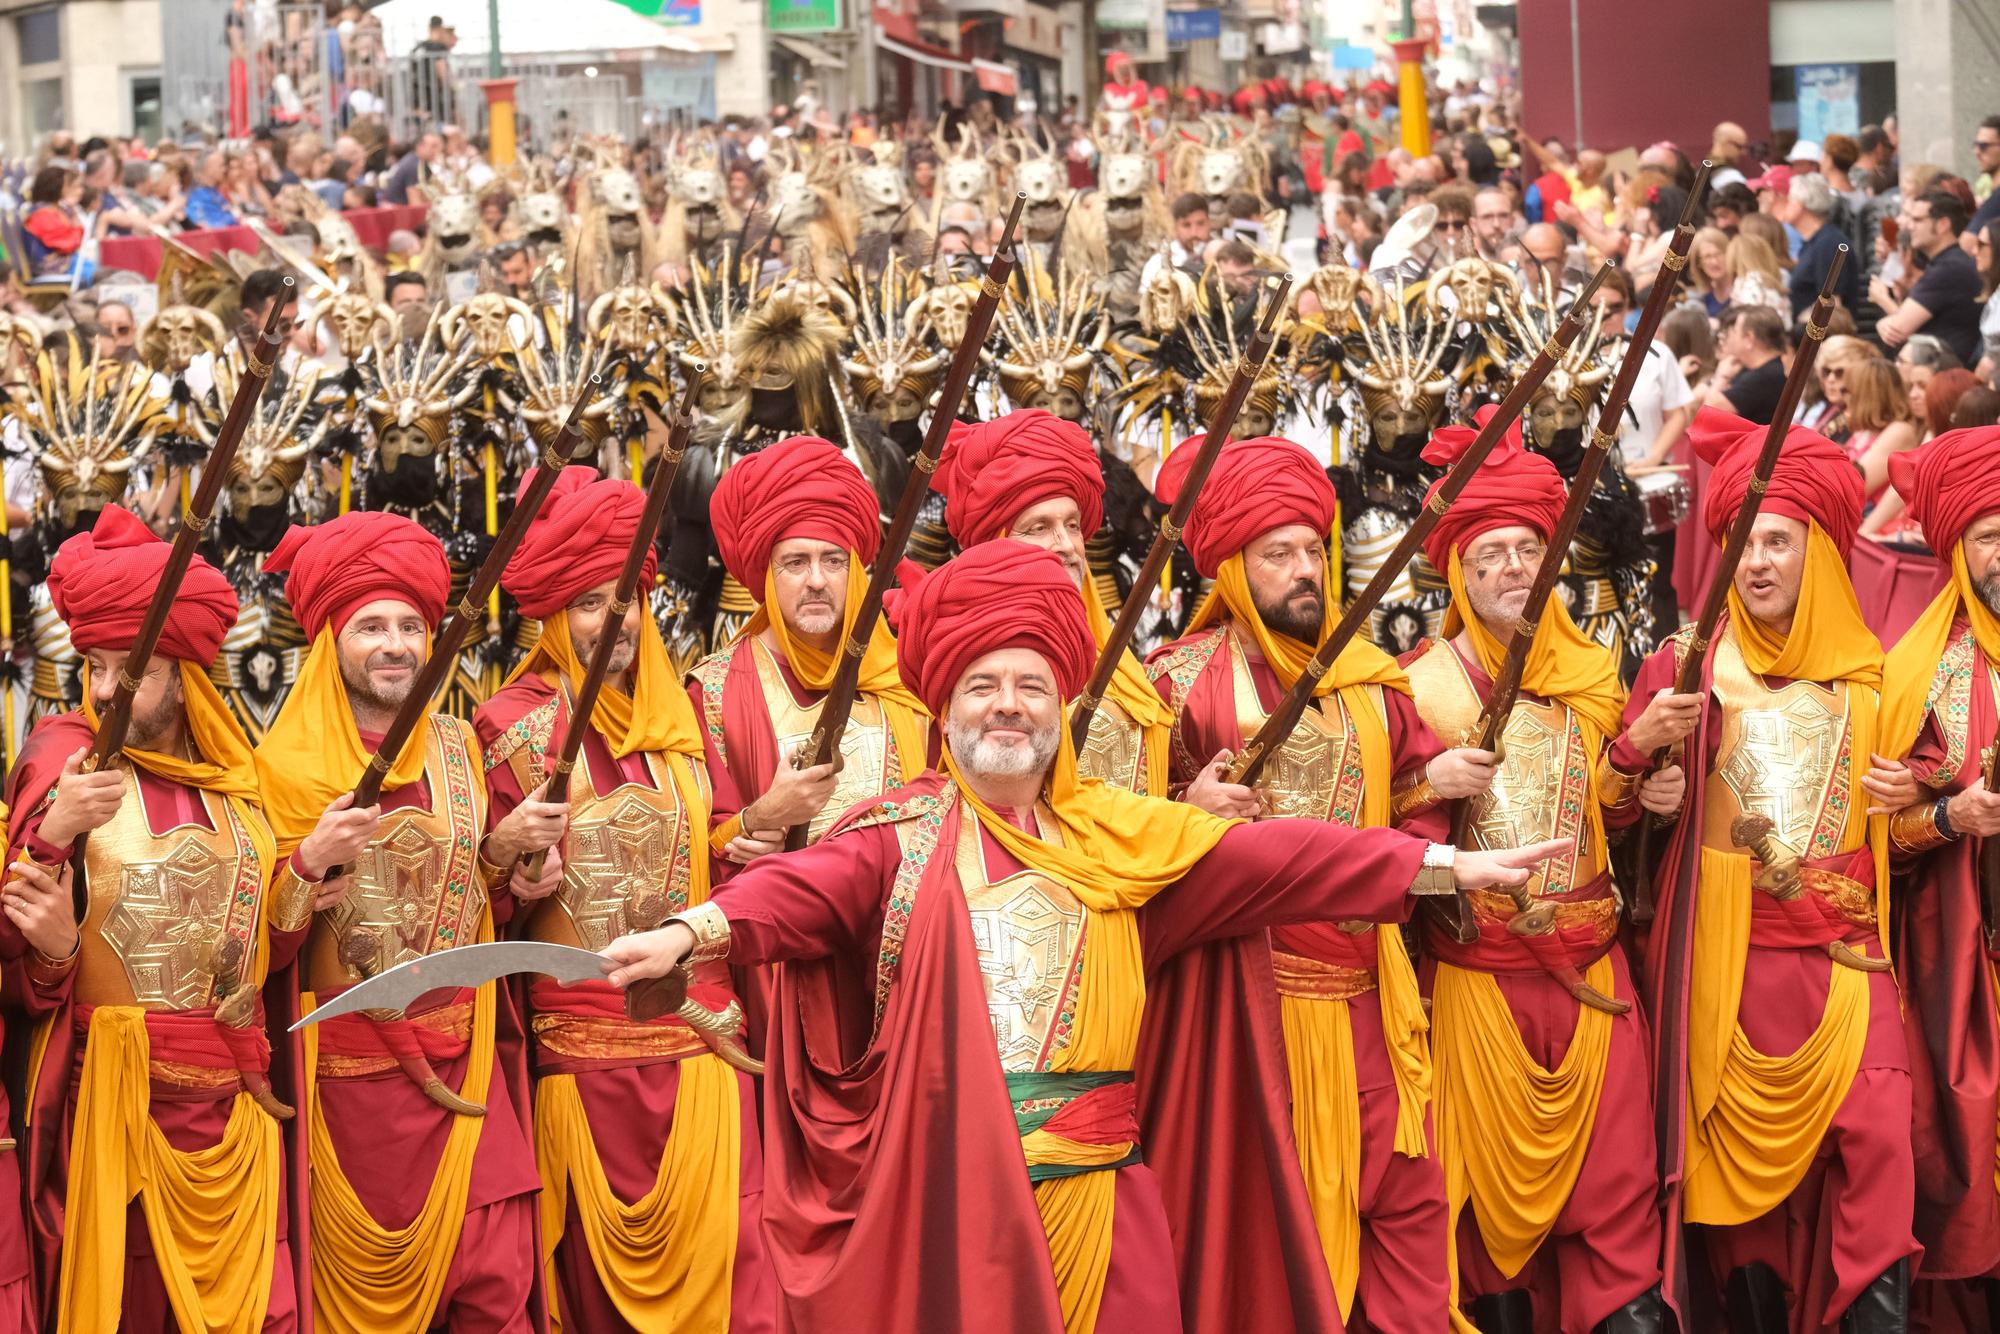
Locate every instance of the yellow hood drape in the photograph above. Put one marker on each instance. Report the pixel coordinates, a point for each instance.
(212, 1215)
(1360, 663)
(906, 715)
(1563, 663)
(658, 717)
(1132, 690)
(1910, 666)
(1834, 643)
(313, 752)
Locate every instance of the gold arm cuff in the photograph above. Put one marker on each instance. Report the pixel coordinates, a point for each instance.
(490, 874)
(291, 900)
(1617, 789)
(1434, 877)
(711, 933)
(1412, 794)
(48, 973)
(1914, 829)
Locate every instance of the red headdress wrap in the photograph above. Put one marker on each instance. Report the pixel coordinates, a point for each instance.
(1814, 478)
(997, 595)
(1512, 486)
(1256, 485)
(334, 569)
(577, 542)
(102, 581)
(992, 471)
(1949, 482)
(802, 487)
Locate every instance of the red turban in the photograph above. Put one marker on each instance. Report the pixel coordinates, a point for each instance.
(1814, 478)
(802, 487)
(102, 582)
(992, 471)
(1255, 486)
(334, 569)
(1512, 486)
(577, 542)
(998, 595)
(1949, 482)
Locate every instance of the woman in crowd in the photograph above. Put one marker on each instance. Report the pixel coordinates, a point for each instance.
(54, 226)
(1754, 276)
(1708, 264)
(1919, 361)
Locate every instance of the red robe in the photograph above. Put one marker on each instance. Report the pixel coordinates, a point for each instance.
(191, 1119)
(1949, 1001)
(1402, 1281)
(633, 1100)
(894, 1174)
(1844, 1223)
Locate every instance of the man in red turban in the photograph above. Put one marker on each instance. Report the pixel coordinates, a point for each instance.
(622, 1106)
(1938, 721)
(1025, 1053)
(1360, 758)
(796, 525)
(1034, 477)
(1791, 907)
(422, 1186)
(1551, 1189)
(157, 986)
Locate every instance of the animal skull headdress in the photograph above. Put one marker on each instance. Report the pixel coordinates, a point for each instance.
(1402, 368)
(484, 325)
(177, 335)
(88, 423)
(1532, 320)
(711, 305)
(1047, 342)
(1219, 333)
(284, 427)
(891, 350)
(633, 318)
(556, 373)
(417, 385)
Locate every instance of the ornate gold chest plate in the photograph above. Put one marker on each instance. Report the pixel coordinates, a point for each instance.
(869, 763)
(161, 904)
(628, 854)
(1029, 933)
(417, 887)
(1316, 774)
(1115, 749)
(1783, 755)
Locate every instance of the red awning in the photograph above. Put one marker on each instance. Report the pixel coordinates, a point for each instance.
(922, 52)
(996, 79)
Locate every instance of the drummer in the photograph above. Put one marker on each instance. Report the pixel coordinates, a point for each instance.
(1649, 438)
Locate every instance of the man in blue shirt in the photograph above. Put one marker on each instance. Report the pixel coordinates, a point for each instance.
(1808, 208)
(206, 206)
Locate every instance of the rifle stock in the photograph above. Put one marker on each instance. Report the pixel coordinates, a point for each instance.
(1688, 678)
(116, 718)
(598, 670)
(1249, 761)
(824, 743)
(1175, 522)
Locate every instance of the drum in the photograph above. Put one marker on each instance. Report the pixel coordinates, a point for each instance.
(1667, 498)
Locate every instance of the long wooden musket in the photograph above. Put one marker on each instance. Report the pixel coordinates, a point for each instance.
(1688, 678)
(1249, 761)
(824, 743)
(627, 590)
(1220, 423)
(116, 718)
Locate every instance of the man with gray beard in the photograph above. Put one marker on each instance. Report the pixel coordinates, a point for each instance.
(1939, 721)
(952, 1136)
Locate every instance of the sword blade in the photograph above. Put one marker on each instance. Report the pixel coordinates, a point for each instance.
(467, 966)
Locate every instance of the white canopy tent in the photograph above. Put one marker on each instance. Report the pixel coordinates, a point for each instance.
(537, 30)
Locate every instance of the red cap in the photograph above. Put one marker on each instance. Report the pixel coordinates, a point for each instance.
(102, 581)
(802, 487)
(1255, 486)
(997, 595)
(1949, 482)
(1512, 486)
(1775, 179)
(992, 471)
(333, 569)
(578, 542)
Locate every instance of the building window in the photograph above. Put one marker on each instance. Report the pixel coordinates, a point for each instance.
(142, 104)
(39, 33)
(42, 105)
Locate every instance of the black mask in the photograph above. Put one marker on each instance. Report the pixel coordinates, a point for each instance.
(413, 484)
(1564, 449)
(1402, 456)
(907, 434)
(774, 409)
(257, 530)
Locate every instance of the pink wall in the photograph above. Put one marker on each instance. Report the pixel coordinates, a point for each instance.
(1651, 70)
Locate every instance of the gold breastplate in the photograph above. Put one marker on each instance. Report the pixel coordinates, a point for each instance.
(1029, 933)
(1115, 749)
(869, 763)
(162, 904)
(417, 888)
(630, 857)
(1783, 755)
(1543, 781)
(1316, 774)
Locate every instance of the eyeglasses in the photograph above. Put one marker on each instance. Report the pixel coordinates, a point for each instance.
(1529, 554)
(1981, 145)
(1454, 225)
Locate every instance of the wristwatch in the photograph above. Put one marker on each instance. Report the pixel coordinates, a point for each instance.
(1435, 875)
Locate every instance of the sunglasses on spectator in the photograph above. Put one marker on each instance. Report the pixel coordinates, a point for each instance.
(1452, 224)
(1981, 145)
